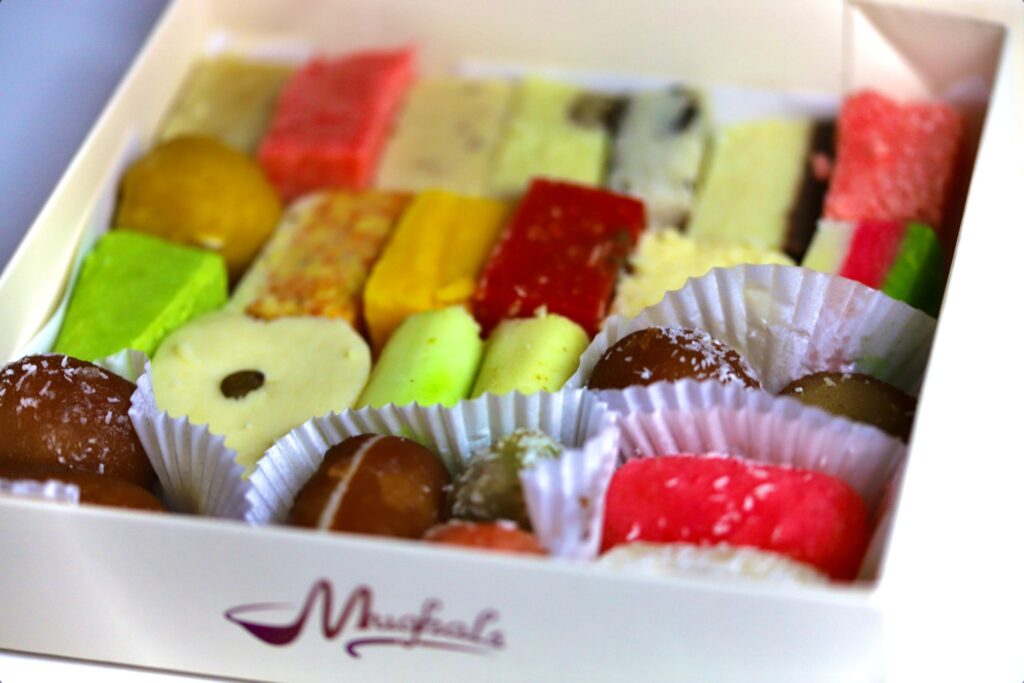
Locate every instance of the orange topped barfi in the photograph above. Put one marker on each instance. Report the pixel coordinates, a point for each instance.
(320, 257)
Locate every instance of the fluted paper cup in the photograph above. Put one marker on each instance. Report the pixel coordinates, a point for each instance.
(573, 418)
(710, 418)
(707, 417)
(789, 322)
(565, 497)
(197, 471)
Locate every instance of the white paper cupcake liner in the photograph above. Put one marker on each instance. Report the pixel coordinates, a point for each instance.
(197, 471)
(707, 417)
(788, 322)
(573, 418)
(565, 496)
(51, 490)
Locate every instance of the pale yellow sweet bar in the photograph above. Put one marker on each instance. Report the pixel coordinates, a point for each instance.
(552, 132)
(756, 171)
(228, 98)
(530, 354)
(446, 136)
(664, 260)
(829, 247)
(432, 260)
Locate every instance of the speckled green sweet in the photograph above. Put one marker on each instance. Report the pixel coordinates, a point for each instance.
(431, 358)
(489, 489)
(916, 274)
(133, 290)
(531, 354)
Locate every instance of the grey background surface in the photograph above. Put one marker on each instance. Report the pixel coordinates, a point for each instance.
(60, 60)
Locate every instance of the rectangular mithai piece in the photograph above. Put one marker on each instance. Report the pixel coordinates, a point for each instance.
(219, 598)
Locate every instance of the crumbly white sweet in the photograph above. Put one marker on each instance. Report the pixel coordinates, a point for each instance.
(720, 561)
(664, 260)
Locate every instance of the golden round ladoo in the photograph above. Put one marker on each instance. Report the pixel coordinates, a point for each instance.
(198, 191)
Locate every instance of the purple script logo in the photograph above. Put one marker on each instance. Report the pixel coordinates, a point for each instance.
(363, 626)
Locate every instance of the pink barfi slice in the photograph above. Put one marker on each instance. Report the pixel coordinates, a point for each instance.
(332, 120)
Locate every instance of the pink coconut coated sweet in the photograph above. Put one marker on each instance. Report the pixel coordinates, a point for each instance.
(332, 120)
(708, 500)
(894, 162)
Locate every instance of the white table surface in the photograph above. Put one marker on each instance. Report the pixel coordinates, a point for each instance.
(18, 667)
(60, 61)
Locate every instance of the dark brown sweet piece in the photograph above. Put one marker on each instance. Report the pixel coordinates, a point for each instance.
(669, 353)
(861, 398)
(806, 209)
(372, 484)
(62, 412)
(239, 384)
(594, 110)
(688, 114)
(93, 489)
(501, 536)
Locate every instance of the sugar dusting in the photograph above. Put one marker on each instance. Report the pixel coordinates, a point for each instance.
(69, 404)
(697, 354)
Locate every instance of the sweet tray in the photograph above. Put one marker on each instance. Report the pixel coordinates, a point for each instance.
(221, 598)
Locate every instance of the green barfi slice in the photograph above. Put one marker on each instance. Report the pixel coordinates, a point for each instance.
(916, 274)
(133, 290)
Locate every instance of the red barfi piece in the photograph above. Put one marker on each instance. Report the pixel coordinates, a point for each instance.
(808, 516)
(894, 161)
(332, 119)
(561, 252)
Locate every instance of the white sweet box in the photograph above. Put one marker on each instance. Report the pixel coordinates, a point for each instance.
(268, 603)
